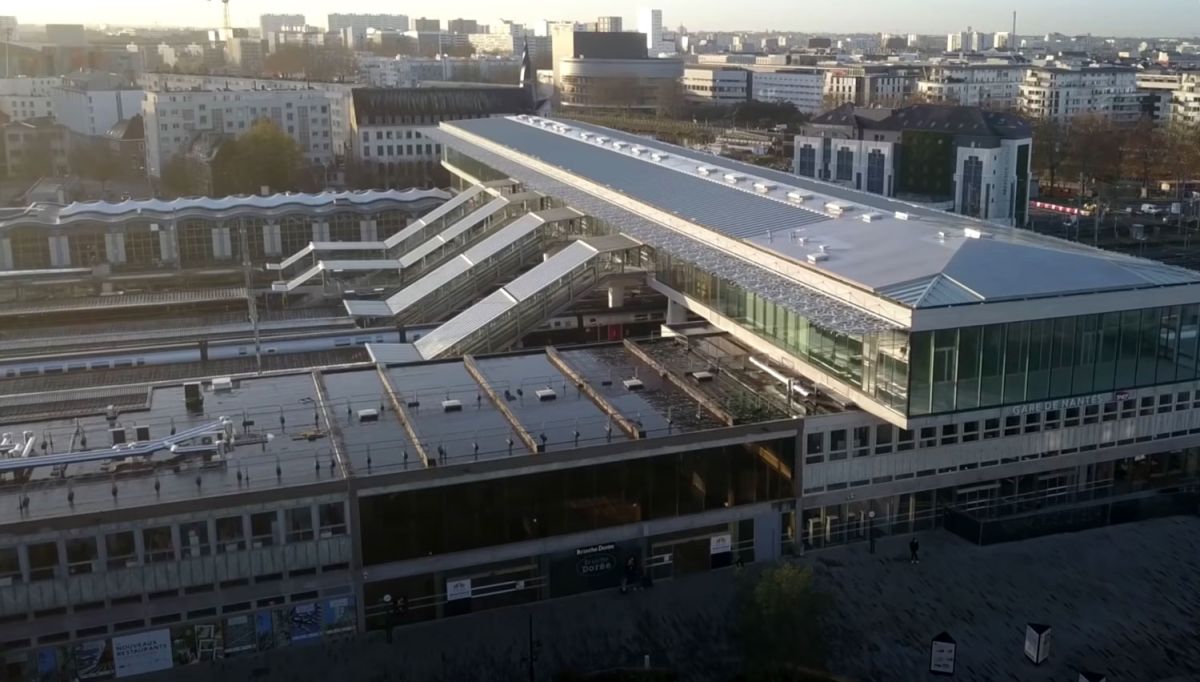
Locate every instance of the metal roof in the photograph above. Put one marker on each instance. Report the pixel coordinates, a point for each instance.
(223, 207)
(417, 225)
(878, 244)
(551, 270)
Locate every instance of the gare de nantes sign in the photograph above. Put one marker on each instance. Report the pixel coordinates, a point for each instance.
(1067, 403)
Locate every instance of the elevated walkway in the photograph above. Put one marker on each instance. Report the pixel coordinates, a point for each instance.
(496, 257)
(333, 266)
(499, 319)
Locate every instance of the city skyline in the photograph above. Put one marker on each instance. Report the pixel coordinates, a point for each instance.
(1073, 17)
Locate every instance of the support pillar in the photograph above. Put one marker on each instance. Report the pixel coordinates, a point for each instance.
(676, 312)
(616, 295)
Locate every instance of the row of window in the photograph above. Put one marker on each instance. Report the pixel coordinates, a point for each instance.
(379, 135)
(833, 445)
(403, 150)
(158, 544)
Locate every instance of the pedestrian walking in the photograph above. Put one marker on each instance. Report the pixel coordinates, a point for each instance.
(913, 548)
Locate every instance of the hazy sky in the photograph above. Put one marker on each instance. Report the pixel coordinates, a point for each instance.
(1107, 17)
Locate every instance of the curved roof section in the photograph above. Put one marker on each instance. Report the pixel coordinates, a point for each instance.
(221, 207)
(913, 255)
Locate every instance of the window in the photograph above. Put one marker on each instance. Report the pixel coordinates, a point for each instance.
(1012, 425)
(10, 566)
(81, 555)
(845, 164)
(862, 440)
(262, 529)
(949, 434)
(883, 439)
(299, 524)
(230, 535)
(120, 550)
(194, 538)
(43, 561)
(158, 544)
(332, 519)
(815, 443)
(837, 440)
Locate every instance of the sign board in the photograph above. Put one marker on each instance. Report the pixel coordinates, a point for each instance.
(720, 544)
(1037, 642)
(458, 589)
(142, 652)
(942, 650)
(1062, 404)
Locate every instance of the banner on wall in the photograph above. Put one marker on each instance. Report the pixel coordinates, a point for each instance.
(300, 624)
(339, 616)
(240, 635)
(197, 643)
(92, 660)
(142, 652)
(264, 630)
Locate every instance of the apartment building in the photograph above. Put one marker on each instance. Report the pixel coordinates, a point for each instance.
(869, 84)
(988, 85)
(91, 104)
(1064, 92)
(802, 87)
(172, 119)
(717, 85)
(270, 23)
(25, 98)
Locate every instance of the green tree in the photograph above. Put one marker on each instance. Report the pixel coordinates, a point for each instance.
(1142, 159)
(1180, 153)
(95, 160)
(782, 624)
(264, 156)
(1093, 152)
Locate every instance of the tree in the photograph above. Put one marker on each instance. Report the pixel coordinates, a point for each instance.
(1143, 153)
(95, 159)
(670, 100)
(264, 156)
(182, 176)
(315, 63)
(782, 623)
(1093, 153)
(1049, 147)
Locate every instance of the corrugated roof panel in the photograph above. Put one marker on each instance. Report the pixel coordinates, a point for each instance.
(551, 270)
(368, 308)
(419, 224)
(467, 222)
(464, 324)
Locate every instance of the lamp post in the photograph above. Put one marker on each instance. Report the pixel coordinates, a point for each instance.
(871, 531)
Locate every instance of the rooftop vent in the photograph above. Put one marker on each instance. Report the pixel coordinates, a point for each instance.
(817, 257)
(544, 394)
(732, 177)
(837, 207)
(704, 170)
(222, 384)
(638, 150)
(703, 376)
(871, 217)
(764, 187)
(659, 157)
(451, 406)
(901, 215)
(564, 129)
(974, 233)
(617, 144)
(941, 235)
(601, 139)
(634, 384)
(368, 415)
(798, 197)
(585, 135)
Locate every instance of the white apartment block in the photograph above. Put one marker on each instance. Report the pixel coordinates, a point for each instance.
(716, 84)
(403, 71)
(25, 98)
(92, 112)
(650, 22)
(1185, 101)
(1061, 93)
(994, 86)
(804, 88)
(172, 119)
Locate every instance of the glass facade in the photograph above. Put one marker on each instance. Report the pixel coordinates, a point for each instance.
(1004, 364)
(466, 516)
(875, 364)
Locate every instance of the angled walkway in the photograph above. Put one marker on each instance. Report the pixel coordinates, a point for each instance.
(484, 264)
(528, 300)
(333, 266)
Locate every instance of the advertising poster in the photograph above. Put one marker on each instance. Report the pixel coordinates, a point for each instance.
(49, 665)
(300, 624)
(240, 636)
(595, 567)
(197, 643)
(339, 616)
(142, 652)
(92, 660)
(264, 630)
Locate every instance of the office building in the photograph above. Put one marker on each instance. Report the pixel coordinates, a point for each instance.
(609, 25)
(717, 85)
(406, 72)
(802, 87)
(567, 43)
(391, 127)
(25, 98)
(272, 23)
(462, 26)
(650, 22)
(830, 364)
(1064, 92)
(172, 119)
(66, 35)
(91, 104)
(1157, 91)
(361, 22)
(964, 159)
(10, 29)
(869, 85)
(424, 25)
(298, 36)
(246, 55)
(957, 42)
(980, 41)
(1185, 101)
(616, 84)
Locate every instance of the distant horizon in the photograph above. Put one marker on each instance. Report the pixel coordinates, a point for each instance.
(1178, 19)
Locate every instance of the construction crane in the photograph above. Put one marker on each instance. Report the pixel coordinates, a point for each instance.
(225, 8)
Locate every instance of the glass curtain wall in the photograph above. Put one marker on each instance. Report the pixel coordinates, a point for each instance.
(876, 364)
(1019, 362)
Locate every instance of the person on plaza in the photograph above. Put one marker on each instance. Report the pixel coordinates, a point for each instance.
(913, 548)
